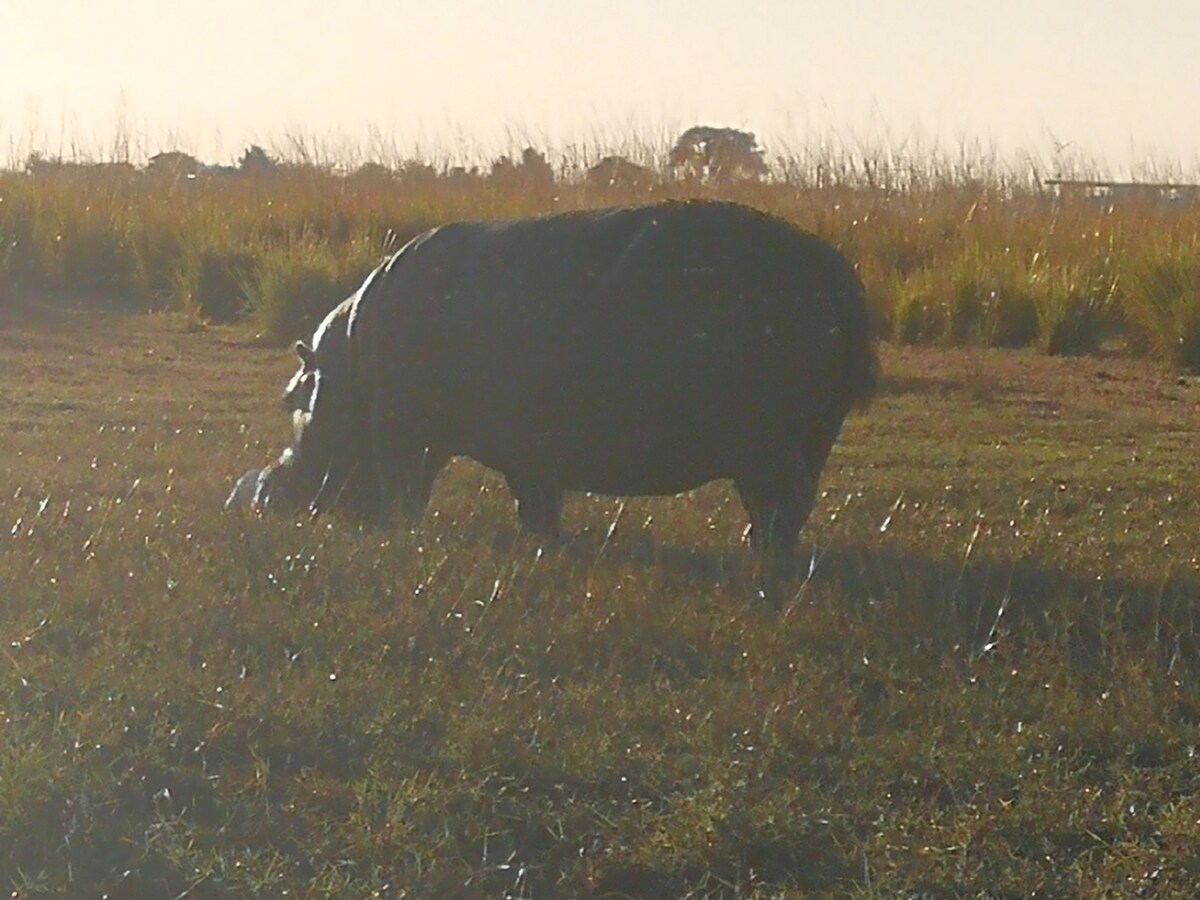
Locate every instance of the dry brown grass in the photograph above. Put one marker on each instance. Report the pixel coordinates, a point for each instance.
(954, 251)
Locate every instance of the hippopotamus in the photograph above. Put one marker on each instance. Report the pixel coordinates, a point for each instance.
(632, 351)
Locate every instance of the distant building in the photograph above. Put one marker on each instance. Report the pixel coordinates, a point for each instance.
(1123, 192)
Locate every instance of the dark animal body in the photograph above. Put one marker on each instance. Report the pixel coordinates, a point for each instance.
(626, 352)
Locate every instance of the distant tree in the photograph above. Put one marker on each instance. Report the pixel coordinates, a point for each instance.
(619, 172)
(535, 167)
(122, 168)
(532, 175)
(174, 164)
(372, 171)
(255, 161)
(463, 178)
(37, 164)
(718, 154)
(413, 173)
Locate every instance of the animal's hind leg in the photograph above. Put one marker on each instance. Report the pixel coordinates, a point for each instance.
(780, 498)
(539, 505)
(777, 513)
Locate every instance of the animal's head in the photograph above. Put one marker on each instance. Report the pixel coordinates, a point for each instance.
(328, 464)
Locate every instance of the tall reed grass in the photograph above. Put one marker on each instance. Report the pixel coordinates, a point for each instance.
(953, 250)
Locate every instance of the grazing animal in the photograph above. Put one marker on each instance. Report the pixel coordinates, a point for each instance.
(625, 352)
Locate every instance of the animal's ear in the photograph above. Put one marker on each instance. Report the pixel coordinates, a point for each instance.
(307, 355)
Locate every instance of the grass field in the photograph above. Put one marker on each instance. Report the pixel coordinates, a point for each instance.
(984, 681)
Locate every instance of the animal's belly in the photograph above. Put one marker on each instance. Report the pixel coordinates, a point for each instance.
(616, 478)
(620, 463)
(637, 435)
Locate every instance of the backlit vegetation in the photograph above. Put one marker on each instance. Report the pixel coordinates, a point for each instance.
(953, 251)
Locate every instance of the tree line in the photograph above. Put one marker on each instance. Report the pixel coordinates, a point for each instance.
(702, 153)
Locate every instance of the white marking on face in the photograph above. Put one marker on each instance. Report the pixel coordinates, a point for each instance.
(315, 394)
(294, 384)
(300, 420)
(305, 403)
(316, 389)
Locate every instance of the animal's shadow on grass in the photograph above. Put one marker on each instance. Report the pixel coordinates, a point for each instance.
(966, 608)
(925, 605)
(975, 607)
(588, 551)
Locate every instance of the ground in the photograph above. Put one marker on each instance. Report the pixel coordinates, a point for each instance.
(982, 680)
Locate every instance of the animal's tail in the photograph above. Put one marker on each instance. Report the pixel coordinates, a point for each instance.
(864, 374)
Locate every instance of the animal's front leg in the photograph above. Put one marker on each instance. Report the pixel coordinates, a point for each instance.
(405, 465)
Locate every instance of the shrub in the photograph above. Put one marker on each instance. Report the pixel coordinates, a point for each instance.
(297, 283)
(976, 298)
(95, 258)
(210, 283)
(1161, 302)
(1070, 311)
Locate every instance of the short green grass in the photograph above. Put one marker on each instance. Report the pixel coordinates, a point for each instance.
(983, 681)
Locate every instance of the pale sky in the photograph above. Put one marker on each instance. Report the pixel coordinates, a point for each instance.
(1117, 81)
